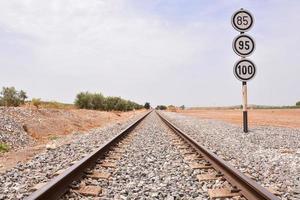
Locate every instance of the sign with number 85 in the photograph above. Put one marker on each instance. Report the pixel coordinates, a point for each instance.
(242, 20)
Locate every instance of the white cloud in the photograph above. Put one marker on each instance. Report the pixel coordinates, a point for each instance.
(53, 49)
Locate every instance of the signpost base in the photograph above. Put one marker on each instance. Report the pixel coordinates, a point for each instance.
(245, 121)
(245, 112)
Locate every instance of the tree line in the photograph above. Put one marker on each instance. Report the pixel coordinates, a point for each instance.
(9, 96)
(97, 101)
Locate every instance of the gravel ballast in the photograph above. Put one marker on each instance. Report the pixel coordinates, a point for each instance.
(269, 155)
(152, 167)
(18, 182)
(12, 132)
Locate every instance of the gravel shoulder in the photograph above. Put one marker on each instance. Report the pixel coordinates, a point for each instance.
(269, 155)
(18, 182)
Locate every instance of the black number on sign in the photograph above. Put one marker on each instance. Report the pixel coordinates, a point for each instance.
(242, 20)
(245, 20)
(243, 45)
(250, 69)
(247, 46)
(245, 69)
(239, 20)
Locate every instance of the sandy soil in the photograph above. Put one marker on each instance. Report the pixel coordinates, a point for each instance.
(263, 117)
(50, 123)
(46, 125)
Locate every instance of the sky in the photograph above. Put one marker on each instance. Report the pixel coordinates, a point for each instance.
(159, 51)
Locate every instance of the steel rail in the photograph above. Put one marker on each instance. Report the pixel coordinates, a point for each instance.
(246, 187)
(59, 185)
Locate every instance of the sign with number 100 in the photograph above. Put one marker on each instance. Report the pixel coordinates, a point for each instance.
(244, 70)
(242, 20)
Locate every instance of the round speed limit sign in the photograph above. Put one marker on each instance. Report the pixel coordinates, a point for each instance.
(242, 20)
(244, 70)
(243, 45)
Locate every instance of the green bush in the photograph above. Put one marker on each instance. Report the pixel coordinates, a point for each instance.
(161, 107)
(3, 147)
(9, 96)
(97, 101)
(298, 103)
(84, 100)
(147, 105)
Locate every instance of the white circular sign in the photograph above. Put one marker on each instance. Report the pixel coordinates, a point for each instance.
(243, 45)
(244, 70)
(242, 20)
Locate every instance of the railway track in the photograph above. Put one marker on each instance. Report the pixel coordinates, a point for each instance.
(101, 163)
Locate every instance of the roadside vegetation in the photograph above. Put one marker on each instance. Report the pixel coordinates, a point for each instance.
(147, 105)
(9, 96)
(3, 147)
(161, 107)
(54, 105)
(97, 101)
(36, 102)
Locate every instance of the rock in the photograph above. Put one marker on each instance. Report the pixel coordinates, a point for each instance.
(51, 146)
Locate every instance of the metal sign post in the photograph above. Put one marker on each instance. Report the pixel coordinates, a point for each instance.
(243, 45)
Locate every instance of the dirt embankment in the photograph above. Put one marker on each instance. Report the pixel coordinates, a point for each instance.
(43, 124)
(51, 123)
(27, 131)
(266, 117)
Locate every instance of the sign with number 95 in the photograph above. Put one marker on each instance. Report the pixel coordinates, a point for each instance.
(243, 45)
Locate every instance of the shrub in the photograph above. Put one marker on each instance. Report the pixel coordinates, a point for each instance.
(22, 96)
(172, 108)
(97, 101)
(147, 105)
(182, 107)
(36, 102)
(9, 96)
(110, 103)
(84, 100)
(161, 107)
(298, 103)
(3, 147)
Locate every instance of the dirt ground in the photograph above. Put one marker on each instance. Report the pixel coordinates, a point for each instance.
(266, 117)
(48, 125)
